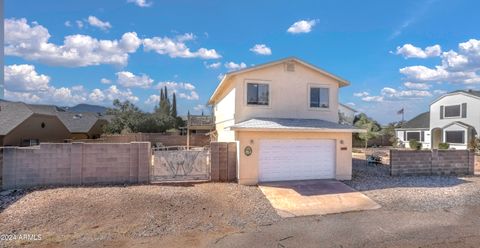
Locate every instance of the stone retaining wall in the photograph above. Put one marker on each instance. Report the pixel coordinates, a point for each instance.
(76, 163)
(435, 162)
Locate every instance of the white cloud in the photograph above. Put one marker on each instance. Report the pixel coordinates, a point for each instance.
(261, 49)
(232, 66)
(105, 81)
(67, 24)
(141, 3)
(391, 94)
(192, 96)
(215, 65)
(183, 90)
(361, 94)
(31, 43)
(128, 80)
(153, 99)
(462, 66)
(350, 104)
(439, 92)
(94, 21)
(111, 93)
(417, 86)
(24, 78)
(79, 23)
(200, 108)
(411, 51)
(176, 47)
(302, 26)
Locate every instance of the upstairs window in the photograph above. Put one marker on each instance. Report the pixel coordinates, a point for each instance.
(452, 111)
(319, 97)
(257, 94)
(456, 137)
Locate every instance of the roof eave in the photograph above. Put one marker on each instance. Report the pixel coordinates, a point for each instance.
(316, 130)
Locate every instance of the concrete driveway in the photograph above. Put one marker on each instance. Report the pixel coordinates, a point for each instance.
(314, 197)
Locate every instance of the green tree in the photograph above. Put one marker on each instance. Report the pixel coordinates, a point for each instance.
(372, 128)
(174, 105)
(126, 117)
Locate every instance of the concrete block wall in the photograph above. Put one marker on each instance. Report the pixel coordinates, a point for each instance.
(435, 162)
(476, 169)
(153, 138)
(76, 163)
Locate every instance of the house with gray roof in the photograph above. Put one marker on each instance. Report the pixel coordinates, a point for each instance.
(454, 118)
(24, 124)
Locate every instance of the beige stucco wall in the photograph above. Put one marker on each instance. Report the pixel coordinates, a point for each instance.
(31, 128)
(224, 111)
(248, 165)
(289, 93)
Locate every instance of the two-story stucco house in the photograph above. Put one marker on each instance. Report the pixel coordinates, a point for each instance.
(284, 116)
(454, 118)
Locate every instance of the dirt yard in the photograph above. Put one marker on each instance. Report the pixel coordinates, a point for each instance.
(133, 215)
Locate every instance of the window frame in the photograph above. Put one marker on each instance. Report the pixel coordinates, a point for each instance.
(257, 81)
(324, 86)
(452, 117)
(419, 135)
(463, 136)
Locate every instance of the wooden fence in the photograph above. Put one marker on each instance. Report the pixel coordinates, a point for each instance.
(223, 161)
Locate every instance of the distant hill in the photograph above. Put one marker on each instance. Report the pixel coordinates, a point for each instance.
(87, 108)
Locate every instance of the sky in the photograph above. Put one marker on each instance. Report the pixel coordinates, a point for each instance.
(396, 54)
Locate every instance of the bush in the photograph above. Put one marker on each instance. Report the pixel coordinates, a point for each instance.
(415, 145)
(443, 146)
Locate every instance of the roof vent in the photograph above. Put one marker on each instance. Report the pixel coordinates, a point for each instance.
(77, 116)
(289, 66)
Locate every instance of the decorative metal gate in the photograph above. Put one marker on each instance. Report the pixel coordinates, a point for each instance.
(180, 165)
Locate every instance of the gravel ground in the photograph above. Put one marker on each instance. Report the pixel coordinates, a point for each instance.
(416, 193)
(86, 215)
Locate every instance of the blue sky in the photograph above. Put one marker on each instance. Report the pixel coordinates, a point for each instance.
(395, 53)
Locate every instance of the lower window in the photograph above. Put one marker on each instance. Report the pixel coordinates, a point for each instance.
(413, 135)
(457, 137)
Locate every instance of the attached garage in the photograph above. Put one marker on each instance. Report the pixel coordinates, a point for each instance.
(296, 159)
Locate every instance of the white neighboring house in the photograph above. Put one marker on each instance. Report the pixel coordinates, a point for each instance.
(454, 118)
(346, 114)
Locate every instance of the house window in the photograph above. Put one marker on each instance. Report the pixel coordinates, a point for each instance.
(457, 137)
(452, 111)
(30, 142)
(257, 94)
(413, 135)
(319, 97)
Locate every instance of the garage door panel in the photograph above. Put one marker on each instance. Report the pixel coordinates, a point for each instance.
(296, 159)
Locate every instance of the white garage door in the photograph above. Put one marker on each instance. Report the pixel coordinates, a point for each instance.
(296, 159)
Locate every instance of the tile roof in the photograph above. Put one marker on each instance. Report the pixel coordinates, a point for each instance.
(292, 124)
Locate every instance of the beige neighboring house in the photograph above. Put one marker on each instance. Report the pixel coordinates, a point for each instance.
(30, 124)
(285, 117)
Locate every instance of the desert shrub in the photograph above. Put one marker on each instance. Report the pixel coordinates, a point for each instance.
(414, 144)
(443, 146)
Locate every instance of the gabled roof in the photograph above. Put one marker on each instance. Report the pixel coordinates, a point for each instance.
(78, 122)
(289, 124)
(420, 121)
(341, 81)
(458, 123)
(12, 114)
(472, 93)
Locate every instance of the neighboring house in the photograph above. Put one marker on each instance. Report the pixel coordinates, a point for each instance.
(454, 118)
(24, 125)
(284, 116)
(346, 114)
(83, 125)
(30, 124)
(417, 128)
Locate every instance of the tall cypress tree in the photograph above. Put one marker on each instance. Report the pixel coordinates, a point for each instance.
(174, 105)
